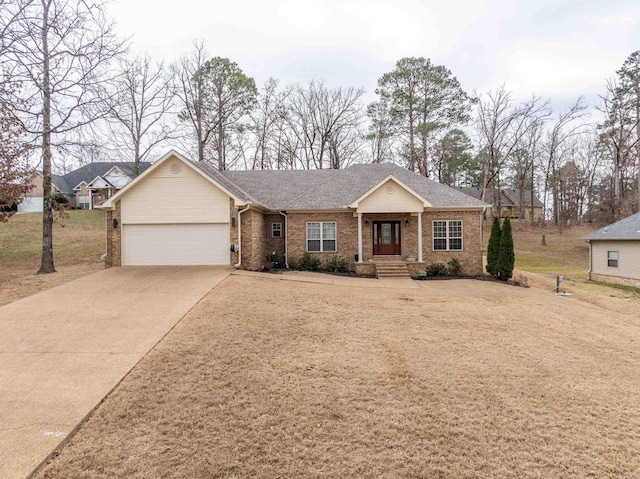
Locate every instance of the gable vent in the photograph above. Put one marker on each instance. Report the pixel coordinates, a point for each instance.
(175, 168)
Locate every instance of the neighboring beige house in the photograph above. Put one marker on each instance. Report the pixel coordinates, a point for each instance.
(510, 202)
(614, 252)
(182, 212)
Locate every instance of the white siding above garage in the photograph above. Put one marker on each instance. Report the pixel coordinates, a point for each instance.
(175, 193)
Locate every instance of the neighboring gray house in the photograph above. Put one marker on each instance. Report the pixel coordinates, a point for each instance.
(94, 183)
(614, 252)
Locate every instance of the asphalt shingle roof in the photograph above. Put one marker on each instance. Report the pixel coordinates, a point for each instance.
(88, 172)
(333, 189)
(626, 229)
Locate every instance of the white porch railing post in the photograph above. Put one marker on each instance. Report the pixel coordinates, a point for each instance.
(359, 237)
(420, 237)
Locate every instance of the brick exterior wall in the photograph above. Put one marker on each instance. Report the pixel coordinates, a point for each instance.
(114, 238)
(346, 234)
(471, 255)
(253, 240)
(274, 245)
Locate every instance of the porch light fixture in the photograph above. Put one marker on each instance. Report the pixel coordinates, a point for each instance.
(233, 221)
(366, 222)
(115, 223)
(406, 222)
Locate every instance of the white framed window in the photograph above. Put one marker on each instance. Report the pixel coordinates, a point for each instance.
(612, 259)
(321, 237)
(84, 202)
(276, 230)
(447, 235)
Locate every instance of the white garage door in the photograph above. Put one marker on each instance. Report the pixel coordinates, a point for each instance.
(30, 204)
(176, 244)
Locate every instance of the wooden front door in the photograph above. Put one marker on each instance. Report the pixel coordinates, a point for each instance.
(386, 238)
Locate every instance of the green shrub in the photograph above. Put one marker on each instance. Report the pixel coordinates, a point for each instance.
(60, 199)
(310, 262)
(294, 262)
(277, 260)
(455, 268)
(437, 269)
(306, 262)
(336, 265)
(506, 257)
(493, 249)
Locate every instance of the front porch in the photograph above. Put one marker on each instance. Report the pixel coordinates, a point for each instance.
(389, 237)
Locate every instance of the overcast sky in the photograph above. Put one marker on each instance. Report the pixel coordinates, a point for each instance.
(557, 49)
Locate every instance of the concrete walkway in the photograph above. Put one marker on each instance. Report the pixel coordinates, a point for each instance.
(63, 350)
(322, 278)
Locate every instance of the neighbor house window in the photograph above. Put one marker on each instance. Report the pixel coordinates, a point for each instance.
(447, 235)
(321, 236)
(83, 202)
(612, 259)
(276, 230)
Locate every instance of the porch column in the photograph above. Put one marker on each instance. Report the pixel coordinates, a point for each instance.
(359, 237)
(420, 237)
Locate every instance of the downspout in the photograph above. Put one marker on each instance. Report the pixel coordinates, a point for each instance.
(484, 208)
(239, 263)
(286, 237)
(590, 259)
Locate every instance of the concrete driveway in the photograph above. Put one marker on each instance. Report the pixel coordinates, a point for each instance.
(63, 350)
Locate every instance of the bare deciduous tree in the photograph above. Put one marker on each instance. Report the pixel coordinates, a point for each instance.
(59, 50)
(140, 108)
(557, 151)
(501, 127)
(325, 122)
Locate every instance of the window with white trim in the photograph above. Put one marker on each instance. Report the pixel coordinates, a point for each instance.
(612, 259)
(83, 202)
(321, 237)
(276, 230)
(447, 235)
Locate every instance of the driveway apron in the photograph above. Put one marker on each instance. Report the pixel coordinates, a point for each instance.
(63, 350)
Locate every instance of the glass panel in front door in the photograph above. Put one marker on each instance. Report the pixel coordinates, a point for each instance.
(386, 233)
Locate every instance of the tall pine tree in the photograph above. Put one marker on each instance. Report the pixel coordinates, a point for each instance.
(506, 256)
(493, 249)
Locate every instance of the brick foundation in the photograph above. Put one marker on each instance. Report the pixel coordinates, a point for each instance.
(603, 278)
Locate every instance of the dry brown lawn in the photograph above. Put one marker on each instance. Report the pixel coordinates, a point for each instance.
(456, 379)
(78, 243)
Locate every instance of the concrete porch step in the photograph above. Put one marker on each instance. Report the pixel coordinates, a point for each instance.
(391, 269)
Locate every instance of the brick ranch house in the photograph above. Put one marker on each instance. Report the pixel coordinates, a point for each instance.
(180, 212)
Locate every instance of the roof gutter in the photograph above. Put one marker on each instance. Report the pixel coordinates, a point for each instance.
(239, 263)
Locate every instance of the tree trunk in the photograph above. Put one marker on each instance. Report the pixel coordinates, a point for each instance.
(46, 265)
(532, 191)
(412, 149)
(220, 147)
(638, 151)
